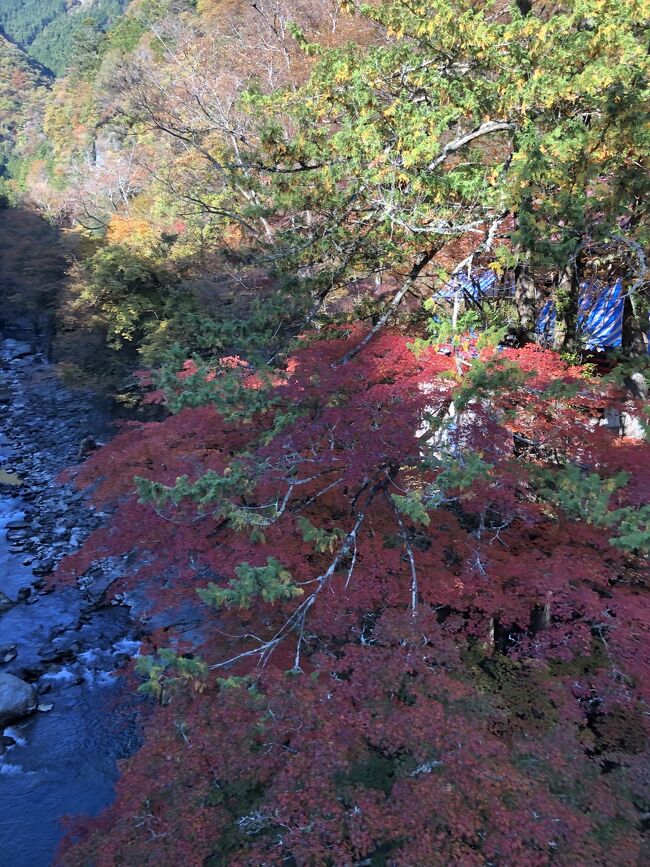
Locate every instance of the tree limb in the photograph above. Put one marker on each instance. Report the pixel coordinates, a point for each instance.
(484, 129)
(414, 273)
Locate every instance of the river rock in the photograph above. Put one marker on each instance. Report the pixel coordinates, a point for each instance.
(5, 602)
(57, 655)
(16, 348)
(17, 699)
(31, 673)
(44, 567)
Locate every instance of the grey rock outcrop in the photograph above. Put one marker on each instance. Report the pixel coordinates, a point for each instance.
(17, 699)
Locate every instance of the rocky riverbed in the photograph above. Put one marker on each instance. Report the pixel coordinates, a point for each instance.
(65, 719)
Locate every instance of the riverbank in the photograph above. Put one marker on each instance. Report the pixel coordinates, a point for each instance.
(65, 641)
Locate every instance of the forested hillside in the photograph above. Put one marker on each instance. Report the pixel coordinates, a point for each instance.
(22, 91)
(386, 528)
(49, 30)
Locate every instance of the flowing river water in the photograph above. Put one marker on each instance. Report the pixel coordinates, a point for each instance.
(62, 760)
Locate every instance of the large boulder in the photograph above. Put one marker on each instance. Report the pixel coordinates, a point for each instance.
(15, 348)
(17, 699)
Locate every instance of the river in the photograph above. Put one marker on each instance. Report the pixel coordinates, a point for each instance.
(63, 759)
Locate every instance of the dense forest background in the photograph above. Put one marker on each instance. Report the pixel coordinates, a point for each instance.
(410, 534)
(49, 30)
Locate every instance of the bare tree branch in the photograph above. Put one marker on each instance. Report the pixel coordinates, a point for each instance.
(486, 128)
(415, 272)
(410, 555)
(297, 618)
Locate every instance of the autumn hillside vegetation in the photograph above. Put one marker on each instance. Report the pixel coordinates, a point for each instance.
(388, 543)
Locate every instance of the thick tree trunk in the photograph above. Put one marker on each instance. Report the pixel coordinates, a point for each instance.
(635, 338)
(540, 618)
(525, 302)
(566, 306)
(525, 293)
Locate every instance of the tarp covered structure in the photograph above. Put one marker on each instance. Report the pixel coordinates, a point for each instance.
(600, 307)
(600, 316)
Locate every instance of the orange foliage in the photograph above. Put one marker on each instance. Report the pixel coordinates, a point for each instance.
(123, 230)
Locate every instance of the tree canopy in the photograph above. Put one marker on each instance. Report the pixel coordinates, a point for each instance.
(521, 133)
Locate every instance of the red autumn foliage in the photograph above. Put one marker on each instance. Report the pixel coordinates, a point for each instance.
(464, 684)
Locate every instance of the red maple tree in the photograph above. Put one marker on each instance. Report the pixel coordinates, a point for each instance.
(422, 625)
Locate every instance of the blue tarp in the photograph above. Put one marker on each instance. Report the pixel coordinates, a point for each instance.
(481, 284)
(600, 310)
(600, 316)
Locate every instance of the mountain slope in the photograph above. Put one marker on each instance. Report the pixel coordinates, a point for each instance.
(23, 85)
(48, 29)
